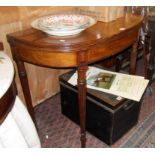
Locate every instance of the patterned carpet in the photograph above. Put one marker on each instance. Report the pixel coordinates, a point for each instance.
(55, 130)
(144, 134)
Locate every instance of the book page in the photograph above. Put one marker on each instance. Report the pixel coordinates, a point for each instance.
(124, 85)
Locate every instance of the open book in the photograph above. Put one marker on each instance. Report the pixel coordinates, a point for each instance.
(124, 85)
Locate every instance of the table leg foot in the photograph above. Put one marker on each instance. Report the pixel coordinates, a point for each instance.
(83, 140)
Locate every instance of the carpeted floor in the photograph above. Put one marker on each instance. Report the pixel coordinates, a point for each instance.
(55, 130)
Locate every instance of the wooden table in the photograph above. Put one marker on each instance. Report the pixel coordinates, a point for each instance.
(95, 43)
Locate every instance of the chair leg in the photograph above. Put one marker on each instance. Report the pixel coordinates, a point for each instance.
(145, 61)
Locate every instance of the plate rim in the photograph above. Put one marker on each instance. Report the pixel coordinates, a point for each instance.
(35, 25)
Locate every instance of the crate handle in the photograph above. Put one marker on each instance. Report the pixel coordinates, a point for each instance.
(128, 106)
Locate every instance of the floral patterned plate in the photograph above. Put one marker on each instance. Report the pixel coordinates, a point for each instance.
(64, 30)
(63, 22)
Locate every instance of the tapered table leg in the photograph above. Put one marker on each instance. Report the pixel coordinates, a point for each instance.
(82, 102)
(133, 58)
(25, 87)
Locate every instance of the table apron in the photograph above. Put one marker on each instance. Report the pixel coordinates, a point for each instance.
(46, 59)
(112, 46)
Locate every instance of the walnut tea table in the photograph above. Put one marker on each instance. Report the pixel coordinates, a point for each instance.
(97, 42)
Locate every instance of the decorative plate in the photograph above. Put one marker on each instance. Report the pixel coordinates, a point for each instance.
(63, 22)
(63, 29)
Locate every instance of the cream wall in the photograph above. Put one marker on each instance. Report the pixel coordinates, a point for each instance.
(12, 19)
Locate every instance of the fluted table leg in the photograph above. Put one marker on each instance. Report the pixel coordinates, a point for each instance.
(25, 87)
(82, 102)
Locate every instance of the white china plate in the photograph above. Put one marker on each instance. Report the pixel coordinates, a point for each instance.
(63, 21)
(63, 32)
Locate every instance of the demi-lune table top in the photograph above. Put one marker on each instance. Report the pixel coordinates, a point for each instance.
(95, 40)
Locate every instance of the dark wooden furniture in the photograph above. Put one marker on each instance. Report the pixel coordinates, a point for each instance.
(144, 37)
(151, 48)
(7, 100)
(95, 43)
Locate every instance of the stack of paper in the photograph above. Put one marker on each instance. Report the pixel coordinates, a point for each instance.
(124, 85)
